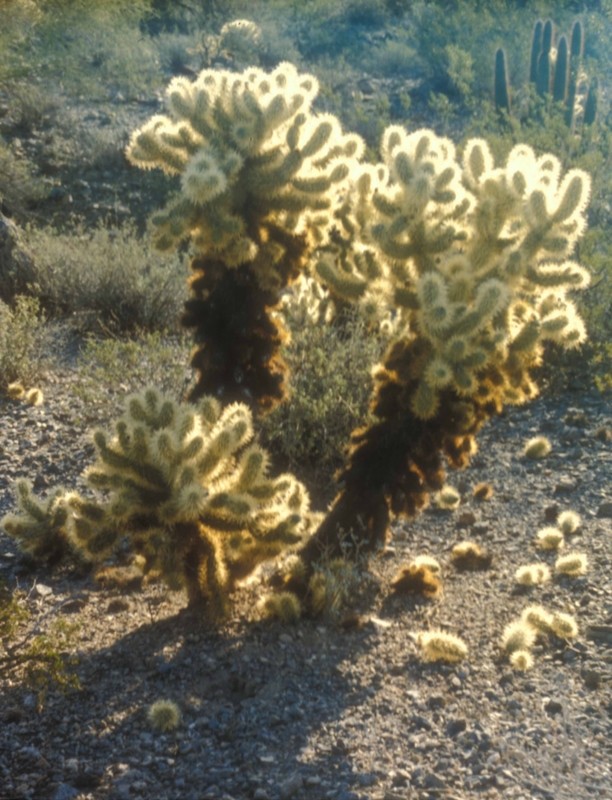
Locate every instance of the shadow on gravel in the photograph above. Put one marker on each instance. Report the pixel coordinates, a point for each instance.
(250, 699)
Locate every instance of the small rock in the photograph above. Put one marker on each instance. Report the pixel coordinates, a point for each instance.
(592, 678)
(565, 486)
(433, 781)
(456, 726)
(117, 605)
(291, 786)
(605, 510)
(553, 707)
(65, 792)
(465, 519)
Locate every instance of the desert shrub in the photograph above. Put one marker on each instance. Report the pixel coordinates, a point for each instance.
(111, 275)
(42, 659)
(21, 341)
(20, 186)
(392, 59)
(121, 365)
(98, 44)
(329, 391)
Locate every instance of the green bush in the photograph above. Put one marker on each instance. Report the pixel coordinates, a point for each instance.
(22, 335)
(98, 45)
(42, 660)
(329, 392)
(20, 186)
(108, 368)
(111, 276)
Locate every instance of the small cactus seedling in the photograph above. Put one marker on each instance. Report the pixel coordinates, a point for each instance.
(442, 646)
(550, 538)
(164, 716)
(532, 575)
(330, 586)
(470, 557)
(568, 522)
(537, 447)
(40, 526)
(572, 564)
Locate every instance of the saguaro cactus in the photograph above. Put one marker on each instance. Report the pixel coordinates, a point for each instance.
(260, 173)
(502, 86)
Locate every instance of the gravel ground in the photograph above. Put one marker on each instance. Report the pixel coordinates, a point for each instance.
(340, 708)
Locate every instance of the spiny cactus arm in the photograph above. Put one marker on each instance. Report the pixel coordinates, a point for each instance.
(240, 141)
(40, 525)
(93, 532)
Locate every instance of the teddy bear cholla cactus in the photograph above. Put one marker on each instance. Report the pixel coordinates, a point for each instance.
(473, 261)
(260, 173)
(472, 258)
(189, 487)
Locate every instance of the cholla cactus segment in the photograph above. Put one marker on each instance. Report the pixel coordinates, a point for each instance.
(16, 390)
(537, 617)
(34, 397)
(417, 579)
(432, 564)
(473, 257)
(532, 575)
(537, 447)
(521, 660)
(40, 526)
(564, 626)
(190, 486)
(469, 556)
(448, 498)
(250, 151)
(573, 565)
(441, 646)
(569, 522)
(518, 635)
(550, 538)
